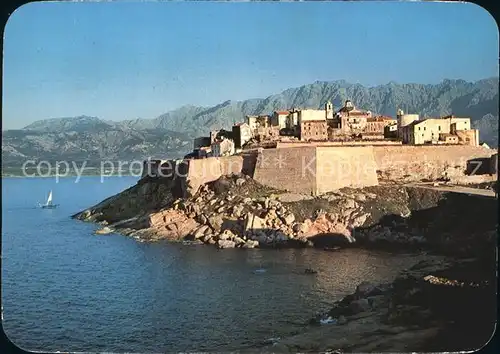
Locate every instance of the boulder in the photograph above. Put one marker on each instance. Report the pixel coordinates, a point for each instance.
(280, 236)
(104, 231)
(359, 220)
(226, 235)
(349, 204)
(200, 232)
(271, 214)
(360, 197)
(288, 219)
(226, 244)
(357, 306)
(364, 289)
(240, 181)
(250, 244)
(215, 222)
(253, 222)
(237, 210)
(202, 219)
(238, 240)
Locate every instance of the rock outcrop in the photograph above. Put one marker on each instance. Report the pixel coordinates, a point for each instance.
(426, 308)
(385, 216)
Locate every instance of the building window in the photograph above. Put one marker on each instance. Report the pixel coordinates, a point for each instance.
(424, 128)
(439, 127)
(418, 128)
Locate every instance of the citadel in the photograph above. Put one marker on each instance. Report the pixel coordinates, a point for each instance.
(347, 126)
(316, 151)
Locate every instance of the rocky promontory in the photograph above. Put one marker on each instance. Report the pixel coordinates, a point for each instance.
(236, 211)
(447, 302)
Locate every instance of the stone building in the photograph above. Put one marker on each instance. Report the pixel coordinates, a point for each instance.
(404, 120)
(255, 122)
(222, 147)
(465, 136)
(391, 130)
(252, 121)
(313, 130)
(437, 130)
(448, 138)
(242, 133)
(279, 119)
(201, 142)
(377, 124)
(350, 120)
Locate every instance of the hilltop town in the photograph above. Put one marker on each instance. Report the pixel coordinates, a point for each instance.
(316, 151)
(346, 126)
(325, 179)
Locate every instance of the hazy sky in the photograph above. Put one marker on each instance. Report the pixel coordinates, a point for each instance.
(135, 59)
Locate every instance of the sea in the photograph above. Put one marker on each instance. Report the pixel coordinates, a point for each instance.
(63, 288)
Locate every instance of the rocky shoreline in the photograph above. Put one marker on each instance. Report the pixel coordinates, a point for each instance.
(423, 309)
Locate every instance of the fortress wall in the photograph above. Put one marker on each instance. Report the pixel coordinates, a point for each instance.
(280, 145)
(411, 162)
(231, 164)
(338, 167)
(289, 169)
(201, 171)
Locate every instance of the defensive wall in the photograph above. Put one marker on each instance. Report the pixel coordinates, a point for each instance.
(312, 169)
(292, 169)
(411, 162)
(201, 171)
(316, 170)
(281, 145)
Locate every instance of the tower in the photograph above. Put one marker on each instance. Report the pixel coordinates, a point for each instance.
(348, 105)
(329, 110)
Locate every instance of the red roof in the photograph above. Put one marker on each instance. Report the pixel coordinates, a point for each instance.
(282, 112)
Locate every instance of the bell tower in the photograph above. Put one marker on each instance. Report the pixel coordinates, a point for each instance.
(329, 110)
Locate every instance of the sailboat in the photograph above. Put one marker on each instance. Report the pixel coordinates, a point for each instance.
(48, 204)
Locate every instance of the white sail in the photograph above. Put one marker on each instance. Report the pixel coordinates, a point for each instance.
(49, 199)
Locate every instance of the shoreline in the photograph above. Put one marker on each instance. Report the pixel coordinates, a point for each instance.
(407, 314)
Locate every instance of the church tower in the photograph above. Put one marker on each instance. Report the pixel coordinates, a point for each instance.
(329, 110)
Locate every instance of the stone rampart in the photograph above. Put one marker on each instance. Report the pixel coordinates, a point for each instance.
(316, 170)
(301, 144)
(287, 169)
(409, 162)
(201, 171)
(319, 169)
(338, 167)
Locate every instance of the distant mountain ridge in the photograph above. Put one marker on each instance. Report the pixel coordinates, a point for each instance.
(170, 134)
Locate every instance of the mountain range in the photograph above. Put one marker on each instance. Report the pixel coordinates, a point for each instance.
(170, 135)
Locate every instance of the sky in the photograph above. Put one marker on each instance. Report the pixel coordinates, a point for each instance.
(133, 60)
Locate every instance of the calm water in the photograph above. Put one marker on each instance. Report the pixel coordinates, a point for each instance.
(64, 288)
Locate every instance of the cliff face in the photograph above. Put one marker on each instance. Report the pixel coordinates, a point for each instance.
(237, 207)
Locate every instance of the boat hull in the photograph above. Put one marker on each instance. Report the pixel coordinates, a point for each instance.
(50, 206)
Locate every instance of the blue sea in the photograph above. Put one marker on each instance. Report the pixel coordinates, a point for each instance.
(66, 289)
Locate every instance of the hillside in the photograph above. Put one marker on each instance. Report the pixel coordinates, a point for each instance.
(169, 135)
